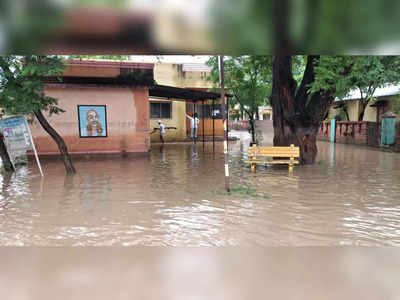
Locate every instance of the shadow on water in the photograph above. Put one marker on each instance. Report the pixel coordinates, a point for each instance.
(350, 197)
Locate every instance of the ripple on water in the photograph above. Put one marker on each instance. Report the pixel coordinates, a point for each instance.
(172, 198)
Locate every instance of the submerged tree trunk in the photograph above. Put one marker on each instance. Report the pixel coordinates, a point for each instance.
(252, 129)
(297, 113)
(59, 140)
(7, 164)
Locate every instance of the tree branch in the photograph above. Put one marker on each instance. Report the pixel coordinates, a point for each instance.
(308, 78)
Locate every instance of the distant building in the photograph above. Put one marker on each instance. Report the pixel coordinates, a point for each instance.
(172, 111)
(265, 112)
(384, 102)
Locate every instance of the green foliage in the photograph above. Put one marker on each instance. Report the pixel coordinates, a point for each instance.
(21, 87)
(365, 73)
(100, 3)
(342, 74)
(247, 78)
(313, 26)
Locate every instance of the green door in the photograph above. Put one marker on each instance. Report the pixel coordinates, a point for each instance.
(388, 131)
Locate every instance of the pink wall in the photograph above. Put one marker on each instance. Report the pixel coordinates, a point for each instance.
(347, 132)
(127, 120)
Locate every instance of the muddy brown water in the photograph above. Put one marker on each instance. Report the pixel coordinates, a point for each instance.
(175, 197)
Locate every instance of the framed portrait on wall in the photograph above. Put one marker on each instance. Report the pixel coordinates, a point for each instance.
(92, 121)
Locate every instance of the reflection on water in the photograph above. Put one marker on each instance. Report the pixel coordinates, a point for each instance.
(350, 197)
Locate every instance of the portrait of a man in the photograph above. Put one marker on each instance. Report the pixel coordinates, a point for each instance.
(92, 120)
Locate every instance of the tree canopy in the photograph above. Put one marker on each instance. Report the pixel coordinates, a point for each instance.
(248, 79)
(365, 74)
(312, 26)
(21, 87)
(22, 92)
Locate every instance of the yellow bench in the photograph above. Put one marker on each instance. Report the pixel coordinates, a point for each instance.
(256, 155)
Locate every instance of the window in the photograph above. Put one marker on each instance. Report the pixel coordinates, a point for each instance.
(207, 110)
(160, 110)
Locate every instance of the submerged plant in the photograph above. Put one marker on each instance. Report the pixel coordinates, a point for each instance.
(243, 190)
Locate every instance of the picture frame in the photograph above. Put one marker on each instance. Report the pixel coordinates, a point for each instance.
(92, 121)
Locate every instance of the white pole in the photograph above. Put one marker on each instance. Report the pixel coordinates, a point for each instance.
(34, 148)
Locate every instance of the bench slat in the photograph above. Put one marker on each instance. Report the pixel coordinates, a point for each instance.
(255, 153)
(274, 151)
(295, 155)
(266, 162)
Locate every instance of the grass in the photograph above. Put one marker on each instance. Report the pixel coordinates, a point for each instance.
(243, 190)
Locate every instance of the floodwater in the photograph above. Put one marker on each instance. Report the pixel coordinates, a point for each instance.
(175, 197)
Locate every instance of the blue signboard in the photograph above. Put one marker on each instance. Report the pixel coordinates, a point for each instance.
(16, 133)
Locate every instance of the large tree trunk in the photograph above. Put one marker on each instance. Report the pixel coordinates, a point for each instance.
(59, 140)
(297, 113)
(7, 164)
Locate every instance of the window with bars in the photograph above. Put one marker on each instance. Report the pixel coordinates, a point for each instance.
(160, 110)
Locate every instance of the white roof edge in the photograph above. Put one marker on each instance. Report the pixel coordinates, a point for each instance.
(388, 90)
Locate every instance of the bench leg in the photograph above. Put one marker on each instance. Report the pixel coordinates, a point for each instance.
(291, 164)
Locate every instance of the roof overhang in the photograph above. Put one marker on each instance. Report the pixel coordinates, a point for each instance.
(169, 92)
(379, 103)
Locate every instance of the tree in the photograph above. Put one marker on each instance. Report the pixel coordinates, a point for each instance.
(300, 109)
(312, 26)
(367, 73)
(248, 79)
(22, 92)
(5, 158)
(287, 27)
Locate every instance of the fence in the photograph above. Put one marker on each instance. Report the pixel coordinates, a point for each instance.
(239, 125)
(359, 133)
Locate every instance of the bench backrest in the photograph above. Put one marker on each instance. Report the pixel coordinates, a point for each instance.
(291, 151)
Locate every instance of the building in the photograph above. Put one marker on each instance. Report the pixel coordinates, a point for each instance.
(172, 112)
(369, 131)
(385, 100)
(107, 107)
(265, 112)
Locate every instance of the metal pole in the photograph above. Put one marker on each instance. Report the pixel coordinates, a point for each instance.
(213, 124)
(202, 109)
(194, 121)
(34, 148)
(227, 123)
(225, 117)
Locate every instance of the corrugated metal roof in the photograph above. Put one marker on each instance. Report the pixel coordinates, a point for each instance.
(109, 63)
(195, 67)
(389, 90)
